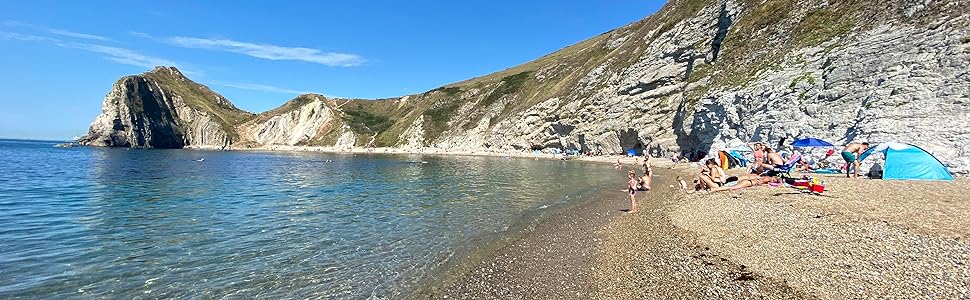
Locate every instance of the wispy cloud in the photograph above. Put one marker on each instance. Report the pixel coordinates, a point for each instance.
(6, 35)
(77, 34)
(126, 56)
(115, 54)
(56, 31)
(271, 52)
(259, 87)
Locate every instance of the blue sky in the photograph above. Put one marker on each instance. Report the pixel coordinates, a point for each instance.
(59, 58)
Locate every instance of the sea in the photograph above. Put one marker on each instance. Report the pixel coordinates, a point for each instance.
(89, 222)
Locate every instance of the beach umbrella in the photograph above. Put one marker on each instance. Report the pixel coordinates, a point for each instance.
(810, 142)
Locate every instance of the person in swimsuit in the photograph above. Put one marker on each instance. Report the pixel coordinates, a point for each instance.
(747, 182)
(851, 154)
(618, 165)
(632, 189)
(647, 179)
(772, 160)
(706, 180)
(717, 173)
(759, 157)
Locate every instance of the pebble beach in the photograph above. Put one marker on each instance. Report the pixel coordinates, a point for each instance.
(860, 239)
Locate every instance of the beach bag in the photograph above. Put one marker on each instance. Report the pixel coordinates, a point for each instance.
(875, 172)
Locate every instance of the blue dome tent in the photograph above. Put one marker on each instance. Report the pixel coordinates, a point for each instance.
(632, 152)
(906, 161)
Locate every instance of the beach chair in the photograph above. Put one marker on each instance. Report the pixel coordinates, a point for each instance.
(784, 171)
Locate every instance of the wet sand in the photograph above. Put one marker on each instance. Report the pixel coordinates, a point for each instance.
(860, 239)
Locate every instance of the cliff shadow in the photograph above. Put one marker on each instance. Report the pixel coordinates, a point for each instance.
(705, 124)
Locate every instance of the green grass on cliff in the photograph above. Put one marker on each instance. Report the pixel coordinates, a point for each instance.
(436, 119)
(510, 84)
(201, 98)
(362, 121)
(826, 23)
(761, 37)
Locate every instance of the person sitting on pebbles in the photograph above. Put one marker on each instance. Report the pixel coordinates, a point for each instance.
(710, 176)
(646, 180)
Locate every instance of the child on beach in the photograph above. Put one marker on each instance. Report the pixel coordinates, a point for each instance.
(683, 184)
(632, 189)
(618, 165)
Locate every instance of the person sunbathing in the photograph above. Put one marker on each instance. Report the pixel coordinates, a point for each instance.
(759, 157)
(772, 160)
(717, 173)
(804, 166)
(747, 182)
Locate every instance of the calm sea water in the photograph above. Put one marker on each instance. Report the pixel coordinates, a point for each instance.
(94, 222)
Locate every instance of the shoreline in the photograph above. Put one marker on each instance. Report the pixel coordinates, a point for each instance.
(606, 158)
(569, 254)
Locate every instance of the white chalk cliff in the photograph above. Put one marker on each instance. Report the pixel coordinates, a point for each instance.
(694, 76)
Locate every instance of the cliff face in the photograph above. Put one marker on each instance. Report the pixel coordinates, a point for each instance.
(307, 120)
(164, 109)
(695, 76)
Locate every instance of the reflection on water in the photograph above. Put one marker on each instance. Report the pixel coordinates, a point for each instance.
(88, 222)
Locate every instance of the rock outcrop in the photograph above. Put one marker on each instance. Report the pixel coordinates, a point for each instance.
(164, 109)
(691, 78)
(298, 122)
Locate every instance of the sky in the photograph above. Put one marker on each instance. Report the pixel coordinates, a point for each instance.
(58, 59)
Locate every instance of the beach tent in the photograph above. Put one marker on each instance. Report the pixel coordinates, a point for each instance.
(727, 160)
(632, 152)
(907, 161)
(741, 160)
(810, 142)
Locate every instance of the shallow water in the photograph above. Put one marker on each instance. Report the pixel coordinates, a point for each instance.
(94, 222)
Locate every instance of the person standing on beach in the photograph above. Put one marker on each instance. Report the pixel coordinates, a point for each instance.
(632, 190)
(851, 154)
(647, 172)
(618, 165)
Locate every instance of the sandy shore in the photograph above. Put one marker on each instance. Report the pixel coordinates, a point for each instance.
(860, 239)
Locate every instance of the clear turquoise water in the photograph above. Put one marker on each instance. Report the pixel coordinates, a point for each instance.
(94, 222)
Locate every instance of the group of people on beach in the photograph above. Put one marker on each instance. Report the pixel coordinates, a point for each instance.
(712, 177)
(766, 166)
